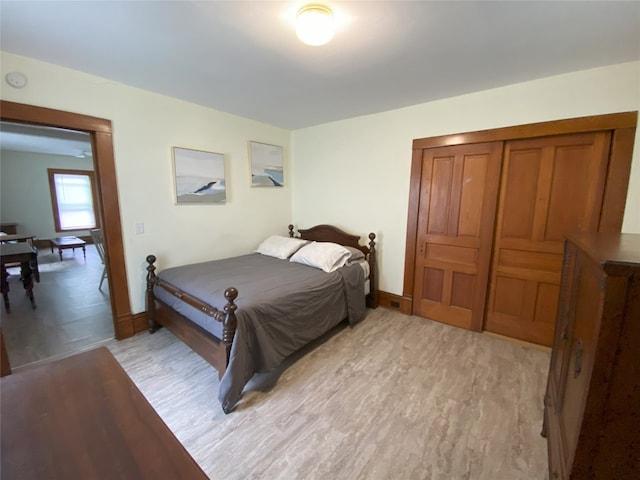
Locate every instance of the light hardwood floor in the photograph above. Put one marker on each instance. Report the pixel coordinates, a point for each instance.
(71, 314)
(395, 397)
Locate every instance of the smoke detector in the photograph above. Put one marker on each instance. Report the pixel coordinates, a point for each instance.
(16, 79)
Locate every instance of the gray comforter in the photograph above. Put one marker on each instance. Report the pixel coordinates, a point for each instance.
(282, 306)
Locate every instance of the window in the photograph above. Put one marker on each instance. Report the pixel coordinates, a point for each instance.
(73, 199)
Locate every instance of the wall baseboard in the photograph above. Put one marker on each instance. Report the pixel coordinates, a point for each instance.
(395, 302)
(140, 322)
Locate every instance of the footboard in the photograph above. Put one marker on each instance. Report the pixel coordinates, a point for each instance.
(214, 350)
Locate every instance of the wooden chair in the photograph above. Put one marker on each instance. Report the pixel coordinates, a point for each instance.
(98, 241)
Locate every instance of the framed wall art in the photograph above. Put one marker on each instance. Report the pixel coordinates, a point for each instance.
(267, 165)
(199, 176)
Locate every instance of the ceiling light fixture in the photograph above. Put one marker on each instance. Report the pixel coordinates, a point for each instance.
(83, 154)
(314, 25)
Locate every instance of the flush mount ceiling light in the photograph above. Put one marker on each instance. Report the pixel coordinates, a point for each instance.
(83, 153)
(314, 25)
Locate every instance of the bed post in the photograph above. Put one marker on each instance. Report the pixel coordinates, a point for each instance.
(151, 302)
(373, 277)
(291, 227)
(230, 322)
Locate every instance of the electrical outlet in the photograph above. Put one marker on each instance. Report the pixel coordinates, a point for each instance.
(139, 228)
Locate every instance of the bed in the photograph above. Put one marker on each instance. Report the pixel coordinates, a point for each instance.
(246, 314)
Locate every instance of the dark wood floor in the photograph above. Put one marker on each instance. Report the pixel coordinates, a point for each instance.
(71, 314)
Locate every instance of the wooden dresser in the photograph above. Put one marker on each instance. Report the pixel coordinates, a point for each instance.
(592, 404)
(82, 417)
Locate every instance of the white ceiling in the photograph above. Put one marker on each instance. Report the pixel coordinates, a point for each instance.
(31, 138)
(242, 57)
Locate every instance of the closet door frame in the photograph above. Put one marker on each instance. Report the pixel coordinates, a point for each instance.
(622, 126)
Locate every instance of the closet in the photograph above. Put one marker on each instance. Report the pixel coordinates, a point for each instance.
(488, 212)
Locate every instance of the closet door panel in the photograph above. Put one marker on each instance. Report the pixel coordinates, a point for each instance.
(576, 190)
(550, 186)
(520, 195)
(455, 227)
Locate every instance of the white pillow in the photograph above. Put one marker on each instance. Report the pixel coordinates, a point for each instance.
(326, 256)
(280, 247)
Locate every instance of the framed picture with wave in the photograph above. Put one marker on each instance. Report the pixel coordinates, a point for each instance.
(267, 165)
(199, 176)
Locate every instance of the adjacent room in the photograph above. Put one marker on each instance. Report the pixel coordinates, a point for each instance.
(405, 248)
(73, 311)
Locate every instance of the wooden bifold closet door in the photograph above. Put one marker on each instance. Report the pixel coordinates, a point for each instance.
(490, 219)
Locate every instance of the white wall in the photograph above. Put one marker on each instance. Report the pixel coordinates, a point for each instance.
(25, 196)
(145, 127)
(355, 173)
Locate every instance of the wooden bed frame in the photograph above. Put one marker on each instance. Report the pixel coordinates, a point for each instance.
(212, 349)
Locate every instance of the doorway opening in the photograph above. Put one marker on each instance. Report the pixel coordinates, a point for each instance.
(100, 138)
(72, 314)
